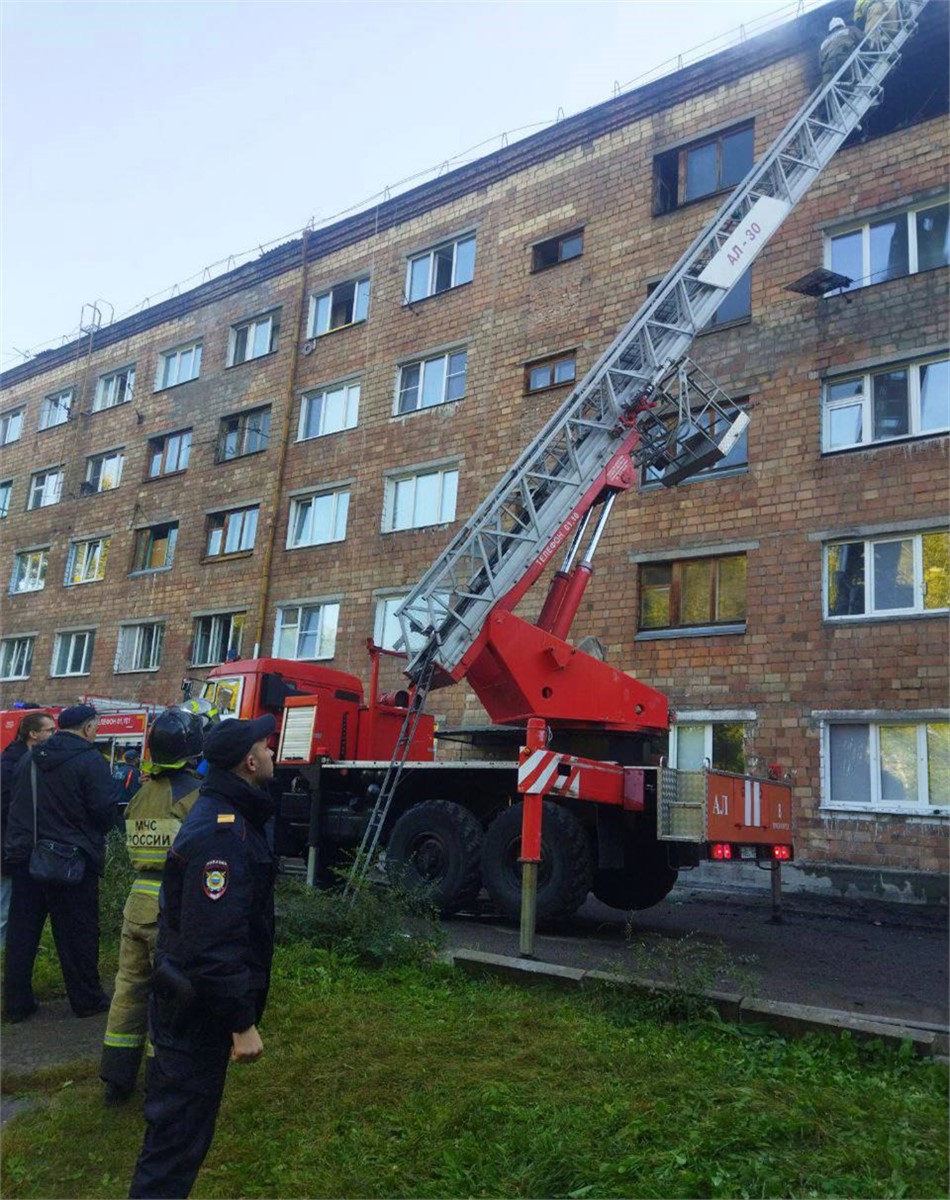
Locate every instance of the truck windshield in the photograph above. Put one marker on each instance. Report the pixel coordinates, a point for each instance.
(224, 694)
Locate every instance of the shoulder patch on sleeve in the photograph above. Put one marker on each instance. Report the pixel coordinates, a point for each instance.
(226, 818)
(214, 882)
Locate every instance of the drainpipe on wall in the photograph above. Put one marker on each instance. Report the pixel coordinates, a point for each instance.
(284, 443)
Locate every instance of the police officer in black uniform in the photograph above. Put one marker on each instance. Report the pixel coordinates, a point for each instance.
(215, 943)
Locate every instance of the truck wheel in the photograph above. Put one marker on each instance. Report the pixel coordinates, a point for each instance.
(436, 848)
(645, 882)
(565, 871)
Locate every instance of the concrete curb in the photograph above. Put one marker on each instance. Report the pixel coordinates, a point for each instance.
(790, 1020)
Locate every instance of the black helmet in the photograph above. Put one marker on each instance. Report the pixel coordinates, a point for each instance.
(175, 737)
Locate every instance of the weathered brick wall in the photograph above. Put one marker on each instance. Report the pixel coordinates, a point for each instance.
(788, 663)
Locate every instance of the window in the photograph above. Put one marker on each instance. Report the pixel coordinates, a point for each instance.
(306, 631)
(557, 250)
(104, 471)
(693, 592)
(888, 248)
(437, 270)
(702, 168)
(155, 547)
(72, 652)
(29, 571)
(899, 766)
(387, 630)
(231, 532)
(16, 657)
(908, 401)
(345, 304)
(413, 501)
(114, 389)
(887, 576)
(719, 743)
(253, 339)
(140, 647)
(737, 306)
(55, 409)
(243, 433)
(217, 638)
(178, 366)
(46, 487)
(551, 372)
(169, 454)
(6, 489)
(736, 460)
(11, 426)
(86, 562)
(328, 411)
(317, 519)
(432, 381)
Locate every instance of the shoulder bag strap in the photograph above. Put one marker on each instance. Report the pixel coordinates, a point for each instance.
(33, 782)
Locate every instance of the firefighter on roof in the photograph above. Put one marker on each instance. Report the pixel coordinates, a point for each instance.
(213, 958)
(152, 820)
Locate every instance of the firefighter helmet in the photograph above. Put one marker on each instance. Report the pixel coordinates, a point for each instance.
(205, 709)
(176, 737)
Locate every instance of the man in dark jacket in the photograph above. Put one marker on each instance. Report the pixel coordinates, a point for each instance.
(74, 805)
(215, 943)
(35, 727)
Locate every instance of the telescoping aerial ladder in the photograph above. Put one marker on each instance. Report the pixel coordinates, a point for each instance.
(643, 403)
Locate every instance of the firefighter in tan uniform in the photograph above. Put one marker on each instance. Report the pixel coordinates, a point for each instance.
(153, 818)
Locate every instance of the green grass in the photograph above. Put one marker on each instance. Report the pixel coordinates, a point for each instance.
(409, 1079)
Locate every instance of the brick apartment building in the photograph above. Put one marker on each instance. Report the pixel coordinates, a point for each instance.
(268, 462)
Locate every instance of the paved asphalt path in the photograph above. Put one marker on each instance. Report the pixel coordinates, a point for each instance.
(871, 958)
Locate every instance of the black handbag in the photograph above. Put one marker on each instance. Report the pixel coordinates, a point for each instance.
(54, 862)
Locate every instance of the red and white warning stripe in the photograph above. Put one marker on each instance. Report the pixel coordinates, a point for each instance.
(753, 802)
(539, 773)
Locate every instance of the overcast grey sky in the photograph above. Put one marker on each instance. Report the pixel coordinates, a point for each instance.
(143, 142)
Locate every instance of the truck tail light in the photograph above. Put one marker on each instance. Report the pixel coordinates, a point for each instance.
(721, 851)
(782, 853)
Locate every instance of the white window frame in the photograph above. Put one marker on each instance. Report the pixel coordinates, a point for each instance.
(338, 410)
(46, 488)
(99, 466)
(140, 644)
(871, 611)
(339, 499)
(179, 365)
(87, 559)
(227, 516)
(29, 571)
(6, 496)
(864, 228)
(56, 408)
(225, 628)
(706, 721)
(875, 803)
(71, 639)
(160, 446)
(11, 425)
(289, 619)
(16, 656)
(321, 307)
(424, 365)
(446, 497)
(424, 267)
(114, 388)
(258, 332)
(864, 400)
(386, 629)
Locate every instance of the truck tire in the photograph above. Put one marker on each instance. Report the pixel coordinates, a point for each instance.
(565, 871)
(436, 848)
(645, 881)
